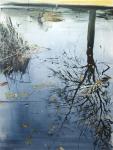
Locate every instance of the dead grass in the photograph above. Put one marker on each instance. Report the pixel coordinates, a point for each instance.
(12, 48)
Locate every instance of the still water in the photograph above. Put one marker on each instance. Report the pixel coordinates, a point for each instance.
(31, 113)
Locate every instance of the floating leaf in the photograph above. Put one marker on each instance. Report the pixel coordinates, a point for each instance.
(60, 148)
(52, 17)
(10, 95)
(98, 82)
(53, 98)
(81, 77)
(24, 125)
(52, 129)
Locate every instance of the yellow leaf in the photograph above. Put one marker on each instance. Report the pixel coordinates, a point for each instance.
(10, 95)
(24, 125)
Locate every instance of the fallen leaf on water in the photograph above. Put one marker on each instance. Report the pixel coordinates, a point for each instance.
(24, 125)
(53, 98)
(98, 82)
(60, 148)
(81, 77)
(52, 17)
(52, 129)
(10, 95)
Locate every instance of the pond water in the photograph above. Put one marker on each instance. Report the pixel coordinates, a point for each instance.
(31, 113)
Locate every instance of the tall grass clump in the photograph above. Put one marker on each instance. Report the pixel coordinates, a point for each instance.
(12, 48)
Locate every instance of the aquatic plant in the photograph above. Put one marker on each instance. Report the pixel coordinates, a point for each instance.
(12, 47)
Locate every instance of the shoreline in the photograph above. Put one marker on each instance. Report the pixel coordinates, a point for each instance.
(34, 5)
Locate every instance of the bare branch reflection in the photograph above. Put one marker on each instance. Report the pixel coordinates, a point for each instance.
(86, 91)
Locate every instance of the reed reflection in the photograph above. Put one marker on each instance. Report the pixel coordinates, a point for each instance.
(12, 50)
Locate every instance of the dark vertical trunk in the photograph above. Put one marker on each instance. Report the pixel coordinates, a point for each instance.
(91, 29)
(90, 38)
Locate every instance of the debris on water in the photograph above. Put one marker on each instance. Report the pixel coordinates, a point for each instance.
(97, 83)
(81, 77)
(3, 83)
(53, 98)
(52, 129)
(25, 125)
(60, 148)
(52, 17)
(10, 95)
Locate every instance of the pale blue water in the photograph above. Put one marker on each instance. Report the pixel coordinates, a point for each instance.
(29, 112)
